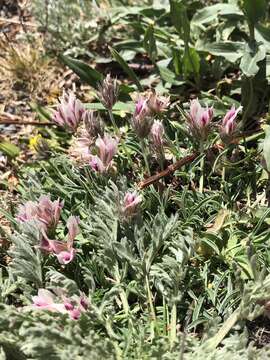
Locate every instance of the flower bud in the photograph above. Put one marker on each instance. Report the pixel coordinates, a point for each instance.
(69, 112)
(131, 202)
(199, 120)
(106, 148)
(142, 119)
(228, 126)
(93, 124)
(108, 92)
(45, 211)
(157, 104)
(157, 134)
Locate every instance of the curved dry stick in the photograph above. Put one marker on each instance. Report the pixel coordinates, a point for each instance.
(170, 169)
(173, 167)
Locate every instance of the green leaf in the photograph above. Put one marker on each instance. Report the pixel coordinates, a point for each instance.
(266, 148)
(250, 59)
(41, 111)
(210, 13)
(179, 18)
(127, 107)
(149, 43)
(84, 71)
(126, 68)
(191, 62)
(262, 34)
(231, 51)
(254, 10)
(166, 74)
(9, 149)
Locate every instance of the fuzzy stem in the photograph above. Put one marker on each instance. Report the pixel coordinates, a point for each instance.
(223, 331)
(202, 176)
(151, 307)
(173, 325)
(124, 300)
(143, 148)
(201, 186)
(113, 121)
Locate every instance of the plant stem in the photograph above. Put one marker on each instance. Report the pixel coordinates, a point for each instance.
(124, 300)
(151, 307)
(251, 31)
(249, 104)
(144, 154)
(173, 325)
(201, 186)
(223, 331)
(113, 121)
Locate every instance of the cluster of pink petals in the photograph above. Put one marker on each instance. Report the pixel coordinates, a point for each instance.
(228, 126)
(63, 250)
(131, 202)
(45, 211)
(157, 134)
(69, 112)
(46, 300)
(157, 103)
(145, 108)
(106, 148)
(199, 119)
(108, 91)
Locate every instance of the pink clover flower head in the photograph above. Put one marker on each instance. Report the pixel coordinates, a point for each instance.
(157, 134)
(156, 103)
(63, 250)
(46, 300)
(228, 126)
(199, 119)
(131, 202)
(69, 112)
(106, 148)
(108, 92)
(93, 124)
(45, 211)
(142, 119)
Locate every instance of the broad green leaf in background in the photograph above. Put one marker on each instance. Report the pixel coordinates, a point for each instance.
(262, 35)
(191, 62)
(166, 74)
(254, 9)
(126, 68)
(250, 59)
(210, 13)
(231, 51)
(127, 107)
(149, 43)
(179, 18)
(84, 71)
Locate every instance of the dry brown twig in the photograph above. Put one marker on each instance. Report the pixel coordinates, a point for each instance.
(173, 167)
